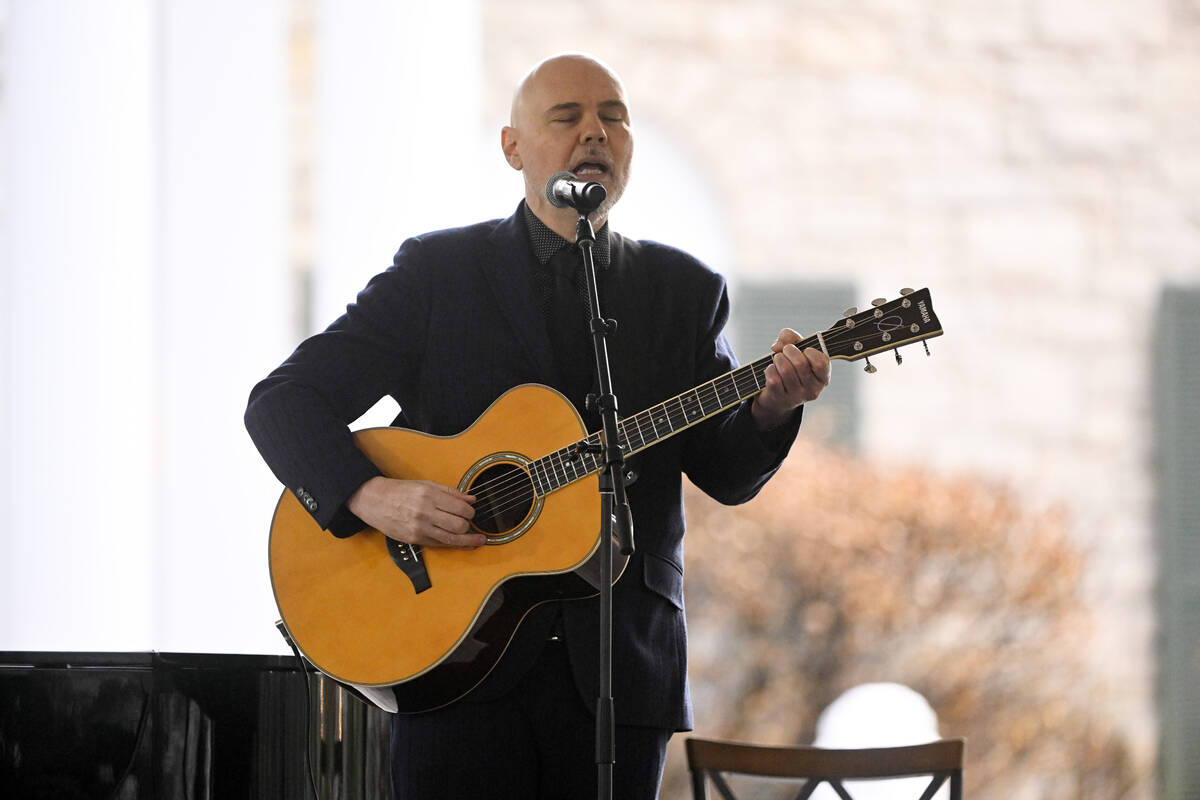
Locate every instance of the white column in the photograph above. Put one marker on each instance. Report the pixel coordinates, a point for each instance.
(224, 311)
(77, 341)
(399, 117)
(144, 287)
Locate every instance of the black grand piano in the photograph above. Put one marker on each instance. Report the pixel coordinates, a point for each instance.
(192, 726)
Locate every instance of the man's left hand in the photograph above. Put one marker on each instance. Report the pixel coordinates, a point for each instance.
(794, 377)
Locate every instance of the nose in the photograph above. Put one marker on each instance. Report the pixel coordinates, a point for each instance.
(593, 130)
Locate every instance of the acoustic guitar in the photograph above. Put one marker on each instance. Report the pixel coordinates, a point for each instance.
(414, 628)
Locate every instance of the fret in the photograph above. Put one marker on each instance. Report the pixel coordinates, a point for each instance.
(761, 367)
(539, 481)
(570, 465)
(560, 473)
(682, 418)
(672, 411)
(727, 392)
(644, 423)
(695, 413)
(709, 400)
(658, 420)
(639, 431)
(629, 427)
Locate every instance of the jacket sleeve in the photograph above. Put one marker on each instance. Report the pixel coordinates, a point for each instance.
(298, 416)
(728, 457)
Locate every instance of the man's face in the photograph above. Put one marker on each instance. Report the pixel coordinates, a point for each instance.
(570, 114)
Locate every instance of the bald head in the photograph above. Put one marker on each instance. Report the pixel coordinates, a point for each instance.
(569, 113)
(553, 69)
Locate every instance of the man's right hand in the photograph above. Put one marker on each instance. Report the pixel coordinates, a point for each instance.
(417, 512)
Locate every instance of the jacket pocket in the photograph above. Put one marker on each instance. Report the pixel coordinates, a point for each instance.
(663, 577)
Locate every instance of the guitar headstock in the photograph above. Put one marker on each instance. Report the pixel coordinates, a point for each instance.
(888, 325)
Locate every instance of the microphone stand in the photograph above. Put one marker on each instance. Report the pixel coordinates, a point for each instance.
(614, 507)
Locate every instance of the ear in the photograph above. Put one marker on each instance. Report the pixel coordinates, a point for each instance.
(508, 143)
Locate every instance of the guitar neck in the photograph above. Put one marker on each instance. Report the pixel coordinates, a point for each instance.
(888, 325)
(657, 423)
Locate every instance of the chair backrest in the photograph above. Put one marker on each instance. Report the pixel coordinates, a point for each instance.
(710, 761)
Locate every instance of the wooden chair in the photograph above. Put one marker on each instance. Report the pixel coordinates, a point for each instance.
(710, 760)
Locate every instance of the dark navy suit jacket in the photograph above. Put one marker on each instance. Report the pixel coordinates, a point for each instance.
(451, 326)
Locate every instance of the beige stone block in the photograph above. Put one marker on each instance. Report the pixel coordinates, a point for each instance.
(879, 97)
(1097, 133)
(1110, 24)
(959, 129)
(841, 43)
(1032, 246)
(1055, 78)
(982, 24)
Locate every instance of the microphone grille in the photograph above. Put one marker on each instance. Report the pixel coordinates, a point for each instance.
(554, 199)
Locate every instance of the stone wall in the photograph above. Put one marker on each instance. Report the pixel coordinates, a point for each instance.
(1035, 162)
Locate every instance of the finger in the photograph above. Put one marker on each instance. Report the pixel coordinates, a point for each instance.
(801, 380)
(445, 530)
(790, 365)
(462, 539)
(448, 490)
(454, 502)
(786, 336)
(819, 363)
(467, 542)
(775, 390)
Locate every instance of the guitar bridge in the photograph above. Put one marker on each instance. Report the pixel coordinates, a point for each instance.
(408, 558)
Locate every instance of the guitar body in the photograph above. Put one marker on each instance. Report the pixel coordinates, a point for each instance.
(359, 618)
(416, 629)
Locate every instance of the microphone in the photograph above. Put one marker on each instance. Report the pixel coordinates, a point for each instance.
(564, 190)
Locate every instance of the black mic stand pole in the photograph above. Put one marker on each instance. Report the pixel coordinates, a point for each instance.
(614, 508)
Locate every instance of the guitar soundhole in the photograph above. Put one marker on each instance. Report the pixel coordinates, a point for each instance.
(504, 499)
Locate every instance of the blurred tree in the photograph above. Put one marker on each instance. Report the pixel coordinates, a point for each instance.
(843, 573)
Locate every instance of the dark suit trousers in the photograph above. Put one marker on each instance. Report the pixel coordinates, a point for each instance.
(536, 742)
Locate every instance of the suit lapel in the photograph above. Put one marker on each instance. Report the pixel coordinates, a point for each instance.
(626, 298)
(507, 268)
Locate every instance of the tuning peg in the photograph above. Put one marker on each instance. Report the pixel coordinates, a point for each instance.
(906, 291)
(850, 312)
(899, 358)
(870, 368)
(878, 301)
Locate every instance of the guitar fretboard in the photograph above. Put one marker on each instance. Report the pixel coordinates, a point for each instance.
(636, 433)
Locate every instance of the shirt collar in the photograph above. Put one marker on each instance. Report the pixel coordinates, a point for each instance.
(546, 243)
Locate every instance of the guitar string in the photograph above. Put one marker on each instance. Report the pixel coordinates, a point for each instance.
(643, 421)
(515, 489)
(518, 487)
(638, 423)
(745, 385)
(518, 483)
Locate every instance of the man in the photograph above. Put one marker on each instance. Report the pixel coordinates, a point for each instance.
(464, 315)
